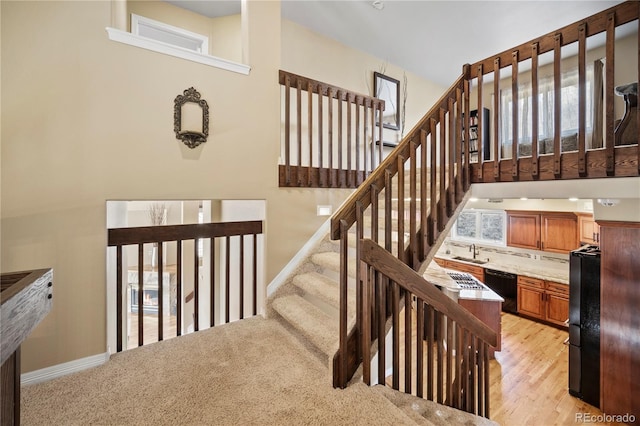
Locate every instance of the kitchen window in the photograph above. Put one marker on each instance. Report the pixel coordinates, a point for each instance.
(481, 226)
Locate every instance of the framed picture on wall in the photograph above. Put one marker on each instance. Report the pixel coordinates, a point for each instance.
(388, 89)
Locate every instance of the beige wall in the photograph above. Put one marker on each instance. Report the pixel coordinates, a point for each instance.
(87, 120)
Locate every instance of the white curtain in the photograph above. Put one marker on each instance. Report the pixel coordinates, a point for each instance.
(569, 109)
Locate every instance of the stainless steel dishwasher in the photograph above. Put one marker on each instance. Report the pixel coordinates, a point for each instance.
(506, 285)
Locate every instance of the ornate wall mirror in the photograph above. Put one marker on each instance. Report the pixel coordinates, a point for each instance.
(191, 118)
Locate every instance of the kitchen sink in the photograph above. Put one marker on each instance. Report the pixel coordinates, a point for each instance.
(470, 260)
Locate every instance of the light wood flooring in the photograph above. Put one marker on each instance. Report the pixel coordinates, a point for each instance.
(150, 329)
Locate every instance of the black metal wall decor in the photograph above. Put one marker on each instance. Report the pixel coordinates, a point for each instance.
(191, 132)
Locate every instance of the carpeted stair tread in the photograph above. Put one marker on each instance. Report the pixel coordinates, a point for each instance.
(432, 412)
(331, 261)
(315, 325)
(323, 288)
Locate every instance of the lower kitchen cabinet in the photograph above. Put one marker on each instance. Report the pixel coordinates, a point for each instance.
(547, 301)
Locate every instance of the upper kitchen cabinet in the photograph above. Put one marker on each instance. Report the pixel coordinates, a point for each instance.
(549, 231)
(589, 231)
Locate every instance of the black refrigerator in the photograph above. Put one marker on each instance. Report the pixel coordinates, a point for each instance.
(584, 324)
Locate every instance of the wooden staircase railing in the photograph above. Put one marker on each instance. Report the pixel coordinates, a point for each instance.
(332, 144)
(161, 236)
(434, 161)
(456, 351)
(580, 162)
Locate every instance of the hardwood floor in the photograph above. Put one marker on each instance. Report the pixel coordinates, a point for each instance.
(529, 377)
(150, 330)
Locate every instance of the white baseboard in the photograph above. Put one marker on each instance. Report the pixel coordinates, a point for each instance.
(63, 369)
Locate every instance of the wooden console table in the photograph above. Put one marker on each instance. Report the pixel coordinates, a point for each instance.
(25, 299)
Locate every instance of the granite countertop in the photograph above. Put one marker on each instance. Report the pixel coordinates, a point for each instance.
(561, 277)
(437, 275)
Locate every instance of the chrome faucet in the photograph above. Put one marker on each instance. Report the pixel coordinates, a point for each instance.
(474, 250)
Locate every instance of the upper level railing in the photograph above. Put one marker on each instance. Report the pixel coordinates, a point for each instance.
(329, 141)
(598, 150)
(226, 247)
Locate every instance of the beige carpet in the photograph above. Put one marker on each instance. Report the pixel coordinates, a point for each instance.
(250, 372)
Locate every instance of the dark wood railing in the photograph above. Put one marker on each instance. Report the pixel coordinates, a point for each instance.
(160, 236)
(329, 141)
(447, 358)
(578, 162)
(434, 160)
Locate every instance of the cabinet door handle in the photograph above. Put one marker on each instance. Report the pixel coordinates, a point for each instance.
(593, 237)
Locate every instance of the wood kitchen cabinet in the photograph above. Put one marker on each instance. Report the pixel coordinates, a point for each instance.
(588, 229)
(548, 231)
(547, 301)
(476, 271)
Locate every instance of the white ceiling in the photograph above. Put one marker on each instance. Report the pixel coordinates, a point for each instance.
(430, 38)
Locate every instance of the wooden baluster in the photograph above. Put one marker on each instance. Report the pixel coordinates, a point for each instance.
(440, 365)
(451, 187)
(457, 152)
(340, 164)
(535, 167)
(227, 292)
(287, 129)
(557, 104)
(310, 130)
(395, 314)
(299, 129)
(140, 294)
(457, 390)
(466, 177)
(481, 142)
(433, 212)
(359, 235)
(382, 308)
(160, 294)
(466, 370)
(320, 129)
(349, 131)
(413, 190)
(474, 377)
(481, 366)
(496, 120)
(179, 300)
(424, 225)
(344, 259)
(515, 161)
(407, 341)
(241, 271)
(442, 196)
(449, 367)
(196, 287)
(420, 349)
(357, 147)
(430, 340)
(375, 193)
(212, 282)
(366, 325)
(380, 131)
(119, 298)
(582, 98)
(387, 210)
(330, 135)
(486, 380)
(255, 274)
(609, 91)
(365, 133)
(374, 164)
(400, 232)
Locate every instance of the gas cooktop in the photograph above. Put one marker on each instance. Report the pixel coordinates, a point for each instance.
(466, 281)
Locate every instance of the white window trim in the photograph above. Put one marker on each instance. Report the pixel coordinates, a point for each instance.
(175, 51)
(502, 243)
(138, 22)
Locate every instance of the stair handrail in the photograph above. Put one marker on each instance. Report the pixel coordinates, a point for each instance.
(346, 212)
